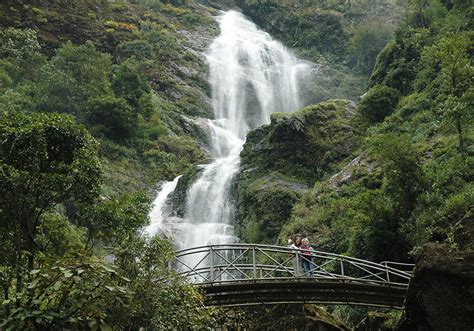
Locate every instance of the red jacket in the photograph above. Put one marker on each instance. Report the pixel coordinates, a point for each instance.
(306, 250)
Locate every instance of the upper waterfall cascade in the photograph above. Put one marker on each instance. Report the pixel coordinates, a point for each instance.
(251, 76)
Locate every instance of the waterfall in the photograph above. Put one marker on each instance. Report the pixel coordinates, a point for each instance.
(159, 210)
(251, 76)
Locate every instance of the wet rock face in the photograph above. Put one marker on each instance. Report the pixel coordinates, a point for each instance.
(441, 294)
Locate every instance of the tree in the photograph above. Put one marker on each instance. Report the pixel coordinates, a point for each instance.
(158, 305)
(451, 85)
(45, 161)
(19, 44)
(112, 117)
(402, 180)
(72, 78)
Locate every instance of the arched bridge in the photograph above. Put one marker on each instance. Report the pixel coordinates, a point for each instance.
(247, 274)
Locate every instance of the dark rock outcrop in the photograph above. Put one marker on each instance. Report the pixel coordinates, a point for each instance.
(441, 293)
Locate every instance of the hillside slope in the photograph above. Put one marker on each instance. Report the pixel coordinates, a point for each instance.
(138, 69)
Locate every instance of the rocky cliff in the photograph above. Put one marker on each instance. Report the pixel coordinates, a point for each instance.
(283, 159)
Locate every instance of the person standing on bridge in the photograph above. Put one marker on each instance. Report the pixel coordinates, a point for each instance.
(306, 254)
(297, 257)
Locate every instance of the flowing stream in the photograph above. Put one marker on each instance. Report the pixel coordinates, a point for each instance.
(251, 76)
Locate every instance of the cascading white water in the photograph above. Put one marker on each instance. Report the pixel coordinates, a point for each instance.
(159, 211)
(251, 76)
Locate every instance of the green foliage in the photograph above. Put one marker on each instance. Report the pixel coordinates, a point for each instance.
(402, 180)
(113, 220)
(414, 185)
(397, 63)
(75, 292)
(133, 71)
(45, 160)
(130, 85)
(377, 235)
(378, 103)
(112, 117)
(51, 213)
(155, 304)
(18, 44)
(447, 74)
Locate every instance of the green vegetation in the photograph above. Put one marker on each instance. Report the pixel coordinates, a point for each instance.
(379, 102)
(402, 179)
(128, 82)
(56, 231)
(284, 158)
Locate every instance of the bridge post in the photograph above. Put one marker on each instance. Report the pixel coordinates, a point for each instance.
(388, 274)
(342, 268)
(211, 264)
(254, 262)
(297, 273)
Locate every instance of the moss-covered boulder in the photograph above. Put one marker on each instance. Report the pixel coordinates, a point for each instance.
(283, 159)
(441, 293)
(305, 144)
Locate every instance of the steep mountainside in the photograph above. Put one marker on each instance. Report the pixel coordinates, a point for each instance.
(406, 178)
(138, 70)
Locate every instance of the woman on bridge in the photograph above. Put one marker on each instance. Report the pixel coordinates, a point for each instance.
(297, 258)
(306, 254)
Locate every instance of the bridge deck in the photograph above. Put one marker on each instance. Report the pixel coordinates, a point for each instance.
(293, 290)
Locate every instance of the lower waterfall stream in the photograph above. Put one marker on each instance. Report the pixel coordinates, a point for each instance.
(251, 76)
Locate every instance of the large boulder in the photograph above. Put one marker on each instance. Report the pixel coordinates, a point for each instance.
(441, 293)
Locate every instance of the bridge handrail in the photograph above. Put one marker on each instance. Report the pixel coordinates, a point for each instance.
(204, 270)
(383, 266)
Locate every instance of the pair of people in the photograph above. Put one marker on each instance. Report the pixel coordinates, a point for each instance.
(303, 258)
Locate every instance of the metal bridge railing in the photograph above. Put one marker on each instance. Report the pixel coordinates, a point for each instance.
(243, 262)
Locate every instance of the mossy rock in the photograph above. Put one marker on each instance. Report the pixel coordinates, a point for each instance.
(305, 144)
(263, 205)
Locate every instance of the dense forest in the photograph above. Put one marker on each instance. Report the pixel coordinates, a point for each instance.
(98, 104)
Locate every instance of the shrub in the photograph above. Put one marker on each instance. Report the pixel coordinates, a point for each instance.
(379, 102)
